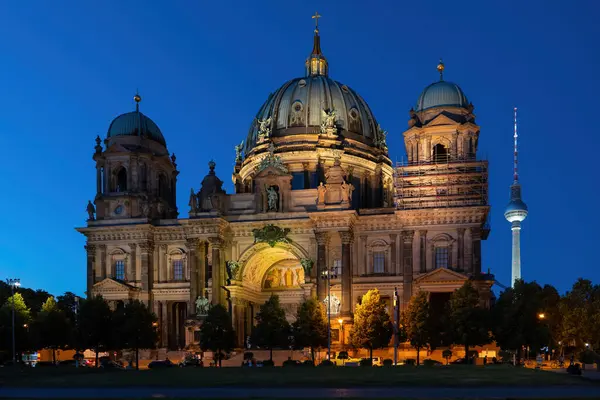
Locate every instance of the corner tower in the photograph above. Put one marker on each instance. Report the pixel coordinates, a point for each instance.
(515, 213)
(135, 177)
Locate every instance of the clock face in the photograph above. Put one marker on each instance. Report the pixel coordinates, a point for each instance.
(119, 209)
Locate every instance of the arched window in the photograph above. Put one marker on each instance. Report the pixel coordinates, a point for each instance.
(121, 180)
(440, 153)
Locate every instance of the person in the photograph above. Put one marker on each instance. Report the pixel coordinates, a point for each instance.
(572, 359)
(485, 360)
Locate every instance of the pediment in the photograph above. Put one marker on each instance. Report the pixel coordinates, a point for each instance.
(442, 120)
(111, 285)
(272, 171)
(441, 275)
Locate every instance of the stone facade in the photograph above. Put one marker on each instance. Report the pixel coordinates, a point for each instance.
(324, 200)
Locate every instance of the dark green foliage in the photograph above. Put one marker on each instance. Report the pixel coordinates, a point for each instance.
(327, 363)
(272, 328)
(516, 316)
(268, 363)
(95, 324)
(388, 362)
(310, 327)
(22, 321)
(134, 328)
(366, 362)
(470, 322)
(416, 321)
(216, 333)
(51, 328)
(580, 309)
(447, 354)
(372, 327)
(410, 361)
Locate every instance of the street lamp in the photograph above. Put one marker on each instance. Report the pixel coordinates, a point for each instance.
(396, 328)
(13, 283)
(541, 315)
(341, 322)
(327, 275)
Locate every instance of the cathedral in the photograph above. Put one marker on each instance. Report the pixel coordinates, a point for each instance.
(318, 210)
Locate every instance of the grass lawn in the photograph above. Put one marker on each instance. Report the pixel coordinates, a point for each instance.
(456, 375)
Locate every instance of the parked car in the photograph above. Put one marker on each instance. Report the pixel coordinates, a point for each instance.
(110, 364)
(191, 362)
(158, 364)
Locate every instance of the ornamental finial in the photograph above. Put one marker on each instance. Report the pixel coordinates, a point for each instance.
(316, 18)
(137, 98)
(440, 69)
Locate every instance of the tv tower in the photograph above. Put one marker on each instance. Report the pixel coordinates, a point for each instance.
(515, 213)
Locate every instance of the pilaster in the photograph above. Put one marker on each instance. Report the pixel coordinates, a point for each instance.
(217, 270)
(322, 242)
(347, 239)
(131, 265)
(146, 249)
(91, 259)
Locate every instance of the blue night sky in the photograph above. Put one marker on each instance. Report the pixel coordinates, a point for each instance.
(204, 69)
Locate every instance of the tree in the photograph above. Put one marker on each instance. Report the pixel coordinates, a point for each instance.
(22, 320)
(69, 305)
(52, 328)
(470, 322)
(95, 324)
(416, 321)
(372, 327)
(272, 328)
(447, 354)
(310, 327)
(580, 308)
(216, 333)
(135, 328)
(518, 314)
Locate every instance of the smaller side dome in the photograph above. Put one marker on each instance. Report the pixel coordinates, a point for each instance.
(442, 94)
(135, 124)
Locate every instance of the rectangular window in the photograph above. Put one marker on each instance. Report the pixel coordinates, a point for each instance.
(379, 262)
(178, 270)
(441, 257)
(337, 267)
(120, 270)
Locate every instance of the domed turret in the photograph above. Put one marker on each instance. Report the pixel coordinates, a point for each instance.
(441, 94)
(135, 124)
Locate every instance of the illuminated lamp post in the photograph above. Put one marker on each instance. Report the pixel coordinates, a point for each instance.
(341, 322)
(13, 283)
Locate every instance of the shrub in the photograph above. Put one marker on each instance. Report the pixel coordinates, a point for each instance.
(574, 369)
(308, 363)
(587, 357)
(327, 363)
(366, 362)
(268, 363)
(410, 361)
(388, 362)
(290, 363)
(447, 354)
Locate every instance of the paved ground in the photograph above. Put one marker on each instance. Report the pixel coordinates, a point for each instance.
(306, 393)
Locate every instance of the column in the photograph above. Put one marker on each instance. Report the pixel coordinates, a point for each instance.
(347, 239)
(91, 258)
(192, 245)
(201, 267)
(423, 251)
(394, 257)
(362, 264)
(104, 270)
(146, 249)
(130, 275)
(460, 257)
(322, 241)
(407, 253)
(164, 324)
(468, 244)
(217, 269)
(476, 234)
(162, 263)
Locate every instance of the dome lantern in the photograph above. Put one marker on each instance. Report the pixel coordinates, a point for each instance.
(316, 63)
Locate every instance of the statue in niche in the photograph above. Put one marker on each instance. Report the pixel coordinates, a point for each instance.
(202, 306)
(288, 277)
(145, 207)
(300, 275)
(91, 210)
(272, 198)
(328, 118)
(193, 201)
(321, 189)
(347, 189)
(238, 151)
(273, 279)
(264, 129)
(160, 207)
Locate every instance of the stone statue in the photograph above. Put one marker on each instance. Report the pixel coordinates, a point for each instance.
(144, 208)
(347, 189)
(327, 120)
(232, 269)
(300, 275)
(193, 201)
(334, 304)
(264, 129)
(238, 151)
(160, 207)
(91, 210)
(321, 189)
(202, 306)
(380, 138)
(272, 198)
